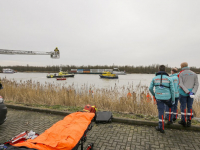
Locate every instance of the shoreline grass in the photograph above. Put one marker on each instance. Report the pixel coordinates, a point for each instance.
(115, 99)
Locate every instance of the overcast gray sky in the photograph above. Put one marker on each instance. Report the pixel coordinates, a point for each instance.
(101, 32)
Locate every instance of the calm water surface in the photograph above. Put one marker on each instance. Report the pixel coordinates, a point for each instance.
(88, 79)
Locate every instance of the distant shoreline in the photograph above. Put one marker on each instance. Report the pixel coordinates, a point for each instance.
(73, 73)
(69, 72)
(129, 69)
(78, 73)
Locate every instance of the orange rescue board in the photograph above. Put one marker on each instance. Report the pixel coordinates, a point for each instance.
(63, 135)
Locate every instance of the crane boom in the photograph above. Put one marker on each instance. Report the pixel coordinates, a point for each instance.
(53, 54)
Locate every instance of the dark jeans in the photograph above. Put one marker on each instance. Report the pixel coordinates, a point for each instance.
(161, 109)
(186, 102)
(174, 110)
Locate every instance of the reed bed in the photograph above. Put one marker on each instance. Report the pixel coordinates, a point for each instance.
(113, 99)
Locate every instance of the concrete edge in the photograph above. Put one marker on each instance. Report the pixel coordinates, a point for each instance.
(56, 112)
(152, 123)
(118, 120)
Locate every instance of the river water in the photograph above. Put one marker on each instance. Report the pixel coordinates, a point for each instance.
(88, 79)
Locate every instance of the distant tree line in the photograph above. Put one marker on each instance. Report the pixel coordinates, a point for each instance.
(151, 69)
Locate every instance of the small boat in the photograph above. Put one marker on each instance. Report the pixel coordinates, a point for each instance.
(8, 70)
(108, 75)
(61, 78)
(60, 75)
(118, 72)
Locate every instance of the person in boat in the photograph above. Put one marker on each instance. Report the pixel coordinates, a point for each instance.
(164, 94)
(129, 94)
(148, 96)
(142, 97)
(90, 91)
(174, 111)
(134, 96)
(188, 86)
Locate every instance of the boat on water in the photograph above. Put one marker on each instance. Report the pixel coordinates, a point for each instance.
(60, 78)
(118, 72)
(8, 70)
(108, 75)
(61, 74)
(89, 71)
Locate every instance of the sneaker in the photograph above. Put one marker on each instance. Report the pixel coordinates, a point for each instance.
(157, 128)
(188, 123)
(183, 123)
(169, 122)
(174, 119)
(161, 130)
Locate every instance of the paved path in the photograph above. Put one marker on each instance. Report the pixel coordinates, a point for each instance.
(112, 136)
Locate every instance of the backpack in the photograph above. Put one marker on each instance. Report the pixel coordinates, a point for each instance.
(104, 117)
(89, 108)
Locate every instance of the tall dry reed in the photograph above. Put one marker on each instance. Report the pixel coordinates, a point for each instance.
(113, 99)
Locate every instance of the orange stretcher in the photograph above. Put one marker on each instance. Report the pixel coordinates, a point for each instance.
(67, 134)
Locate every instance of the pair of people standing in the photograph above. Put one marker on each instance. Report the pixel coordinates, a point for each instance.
(167, 92)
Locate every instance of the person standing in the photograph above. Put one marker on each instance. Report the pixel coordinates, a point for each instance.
(164, 94)
(188, 86)
(174, 110)
(129, 95)
(148, 97)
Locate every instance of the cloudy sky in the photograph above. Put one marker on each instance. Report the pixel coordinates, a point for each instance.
(101, 32)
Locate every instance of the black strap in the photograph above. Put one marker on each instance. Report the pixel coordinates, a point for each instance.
(161, 82)
(163, 86)
(161, 79)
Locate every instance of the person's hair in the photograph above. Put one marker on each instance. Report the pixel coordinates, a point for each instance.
(161, 68)
(184, 64)
(175, 70)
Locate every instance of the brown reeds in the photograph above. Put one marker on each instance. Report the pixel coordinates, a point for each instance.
(118, 99)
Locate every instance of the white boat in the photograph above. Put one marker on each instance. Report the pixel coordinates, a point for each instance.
(8, 70)
(118, 72)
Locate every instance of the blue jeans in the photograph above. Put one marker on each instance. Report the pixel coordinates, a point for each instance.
(161, 109)
(174, 110)
(186, 102)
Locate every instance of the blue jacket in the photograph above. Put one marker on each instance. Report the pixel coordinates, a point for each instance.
(175, 80)
(165, 92)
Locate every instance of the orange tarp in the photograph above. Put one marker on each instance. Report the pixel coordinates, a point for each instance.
(63, 135)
